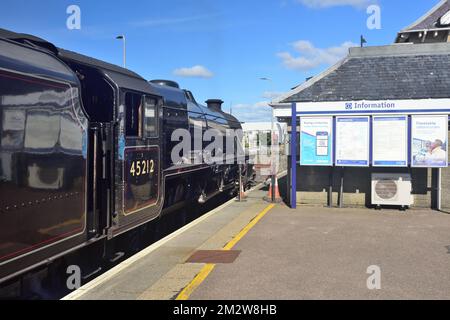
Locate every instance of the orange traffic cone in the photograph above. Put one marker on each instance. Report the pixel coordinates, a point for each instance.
(242, 194)
(277, 197)
(277, 191)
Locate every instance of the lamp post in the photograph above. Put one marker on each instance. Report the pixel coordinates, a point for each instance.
(272, 142)
(122, 37)
(272, 116)
(271, 85)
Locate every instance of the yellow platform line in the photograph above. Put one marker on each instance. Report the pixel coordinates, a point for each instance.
(207, 269)
(230, 245)
(186, 293)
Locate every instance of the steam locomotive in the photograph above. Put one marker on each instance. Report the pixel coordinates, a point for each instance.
(85, 152)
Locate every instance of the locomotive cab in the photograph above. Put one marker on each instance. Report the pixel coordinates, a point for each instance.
(125, 144)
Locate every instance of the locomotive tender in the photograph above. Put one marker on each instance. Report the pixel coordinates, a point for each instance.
(85, 152)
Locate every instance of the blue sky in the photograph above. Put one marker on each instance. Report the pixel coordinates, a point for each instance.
(217, 48)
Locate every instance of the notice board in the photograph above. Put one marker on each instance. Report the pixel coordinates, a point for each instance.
(390, 141)
(316, 141)
(429, 146)
(353, 141)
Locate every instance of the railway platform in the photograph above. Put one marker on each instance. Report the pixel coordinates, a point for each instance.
(255, 250)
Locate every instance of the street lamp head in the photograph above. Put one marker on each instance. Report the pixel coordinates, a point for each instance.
(122, 37)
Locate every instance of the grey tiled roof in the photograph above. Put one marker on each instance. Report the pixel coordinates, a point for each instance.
(382, 73)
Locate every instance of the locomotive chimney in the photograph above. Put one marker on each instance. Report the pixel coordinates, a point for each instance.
(214, 104)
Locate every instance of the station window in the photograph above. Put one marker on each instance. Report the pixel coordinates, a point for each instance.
(150, 117)
(133, 109)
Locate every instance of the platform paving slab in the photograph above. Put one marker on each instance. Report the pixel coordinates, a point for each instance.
(322, 253)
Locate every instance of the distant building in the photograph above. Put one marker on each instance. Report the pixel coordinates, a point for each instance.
(257, 140)
(431, 28)
(254, 132)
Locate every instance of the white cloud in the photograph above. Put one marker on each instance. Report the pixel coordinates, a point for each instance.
(193, 72)
(272, 94)
(312, 57)
(337, 3)
(257, 112)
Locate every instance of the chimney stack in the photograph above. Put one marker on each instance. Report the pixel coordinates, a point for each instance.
(214, 104)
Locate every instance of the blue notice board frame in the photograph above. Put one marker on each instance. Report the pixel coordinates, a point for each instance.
(353, 163)
(439, 164)
(399, 163)
(320, 130)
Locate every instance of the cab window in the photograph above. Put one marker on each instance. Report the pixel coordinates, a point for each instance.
(133, 110)
(150, 117)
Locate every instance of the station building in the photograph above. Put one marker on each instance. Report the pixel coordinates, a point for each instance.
(413, 73)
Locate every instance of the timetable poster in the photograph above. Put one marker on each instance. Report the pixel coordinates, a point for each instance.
(316, 141)
(429, 141)
(352, 141)
(390, 141)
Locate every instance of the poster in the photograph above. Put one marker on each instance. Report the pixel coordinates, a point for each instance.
(429, 146)
(390, 141)
(316, 141)
(352, 141)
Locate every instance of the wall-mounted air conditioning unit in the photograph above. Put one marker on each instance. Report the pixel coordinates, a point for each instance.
(392, 189)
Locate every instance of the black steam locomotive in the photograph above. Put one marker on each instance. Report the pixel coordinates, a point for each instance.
(85, 152)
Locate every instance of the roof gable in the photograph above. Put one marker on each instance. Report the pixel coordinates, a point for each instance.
(391, 73)
(431, 19)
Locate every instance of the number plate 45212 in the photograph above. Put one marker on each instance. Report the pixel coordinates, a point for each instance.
(141, 163)
(142, 167)
(141, 178)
